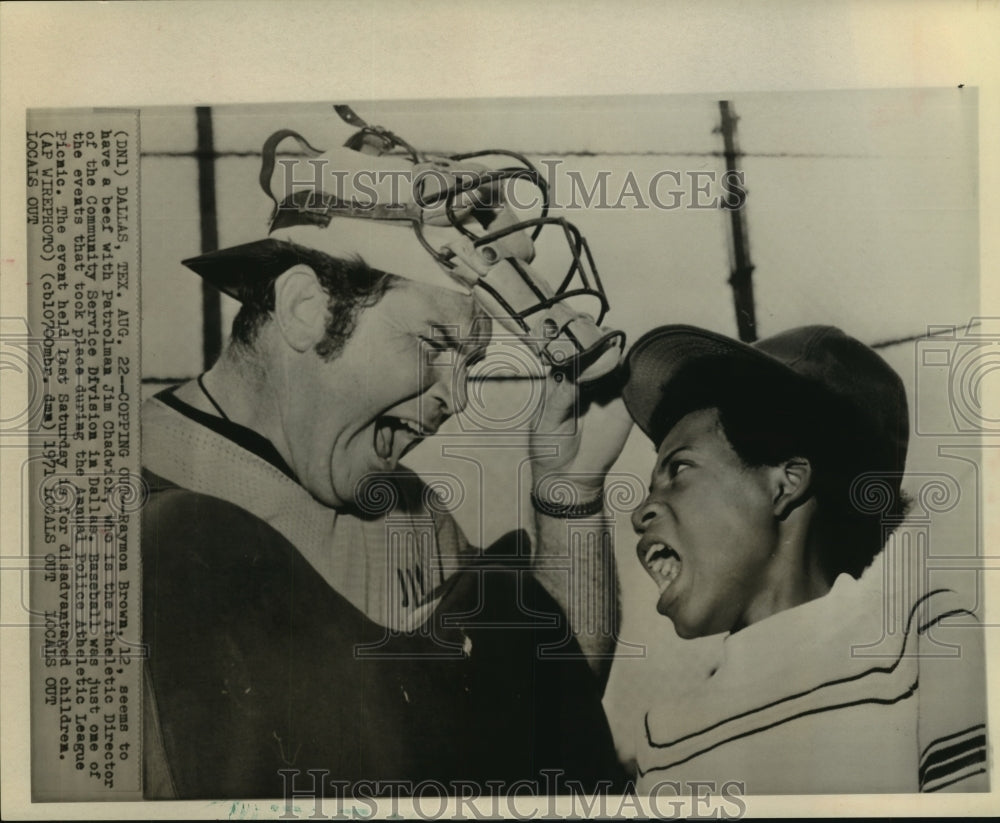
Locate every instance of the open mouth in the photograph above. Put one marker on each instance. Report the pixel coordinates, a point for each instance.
(662, 563)
(396, 436)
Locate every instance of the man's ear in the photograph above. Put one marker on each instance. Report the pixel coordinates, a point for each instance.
(792, 485)
(300, 307)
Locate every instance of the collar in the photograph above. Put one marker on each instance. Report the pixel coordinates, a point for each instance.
(371, 562)
(248, 439)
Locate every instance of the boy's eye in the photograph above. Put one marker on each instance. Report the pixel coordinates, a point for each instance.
(676, 467)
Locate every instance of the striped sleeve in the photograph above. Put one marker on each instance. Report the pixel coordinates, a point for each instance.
(953, 759)
(952, 715)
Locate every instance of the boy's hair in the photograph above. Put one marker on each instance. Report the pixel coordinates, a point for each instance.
(768, 418)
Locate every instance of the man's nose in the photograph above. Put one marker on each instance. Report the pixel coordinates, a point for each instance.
(646, 513)
(449, 389)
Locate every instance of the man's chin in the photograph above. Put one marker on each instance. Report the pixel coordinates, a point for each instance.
(375, 494)
(342, 496)
(330, 499)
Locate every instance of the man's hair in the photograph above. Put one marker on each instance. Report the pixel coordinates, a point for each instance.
(768, 418)
(351, 285)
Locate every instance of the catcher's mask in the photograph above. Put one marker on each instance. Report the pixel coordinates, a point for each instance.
(477, 229)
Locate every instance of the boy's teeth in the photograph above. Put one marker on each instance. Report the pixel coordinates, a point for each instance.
(653, 550)
(665, 570)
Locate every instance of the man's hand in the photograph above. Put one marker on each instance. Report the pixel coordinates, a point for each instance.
(580, 434)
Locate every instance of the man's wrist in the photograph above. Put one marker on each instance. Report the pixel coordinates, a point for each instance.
(568, 510)
(563, 498)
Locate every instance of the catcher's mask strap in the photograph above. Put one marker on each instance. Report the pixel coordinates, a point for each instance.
(269, 151)
(382, 244)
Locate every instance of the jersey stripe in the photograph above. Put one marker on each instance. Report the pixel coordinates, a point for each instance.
(950, 752)
(950, 782)
(871, 673)
(947, 737)
(871, 700)
(955, 766)
(938, 618)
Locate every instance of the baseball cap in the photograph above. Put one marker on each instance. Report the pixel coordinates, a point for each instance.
(821, 362)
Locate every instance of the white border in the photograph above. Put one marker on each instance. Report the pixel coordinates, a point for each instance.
(152, 53)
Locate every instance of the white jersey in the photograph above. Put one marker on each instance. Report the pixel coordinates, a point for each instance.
(833, 697)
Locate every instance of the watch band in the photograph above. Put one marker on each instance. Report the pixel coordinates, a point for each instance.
(568, 511)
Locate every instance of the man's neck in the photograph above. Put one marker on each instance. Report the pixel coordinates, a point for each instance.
(239, 392)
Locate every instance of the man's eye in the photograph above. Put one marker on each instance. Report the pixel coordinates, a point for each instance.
(437, 345)
(435, 348)
(474, 359)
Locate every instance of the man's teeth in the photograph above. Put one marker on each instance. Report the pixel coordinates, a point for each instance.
(413, 426)
(386, 430)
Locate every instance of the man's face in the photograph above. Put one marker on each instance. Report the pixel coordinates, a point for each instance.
(398, 378)
(708, 529)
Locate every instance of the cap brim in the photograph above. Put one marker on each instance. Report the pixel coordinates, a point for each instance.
(387, 245)
(659, 356)
(231, 268)
(388, 249)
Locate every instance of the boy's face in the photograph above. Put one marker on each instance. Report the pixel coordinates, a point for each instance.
(709, 531)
